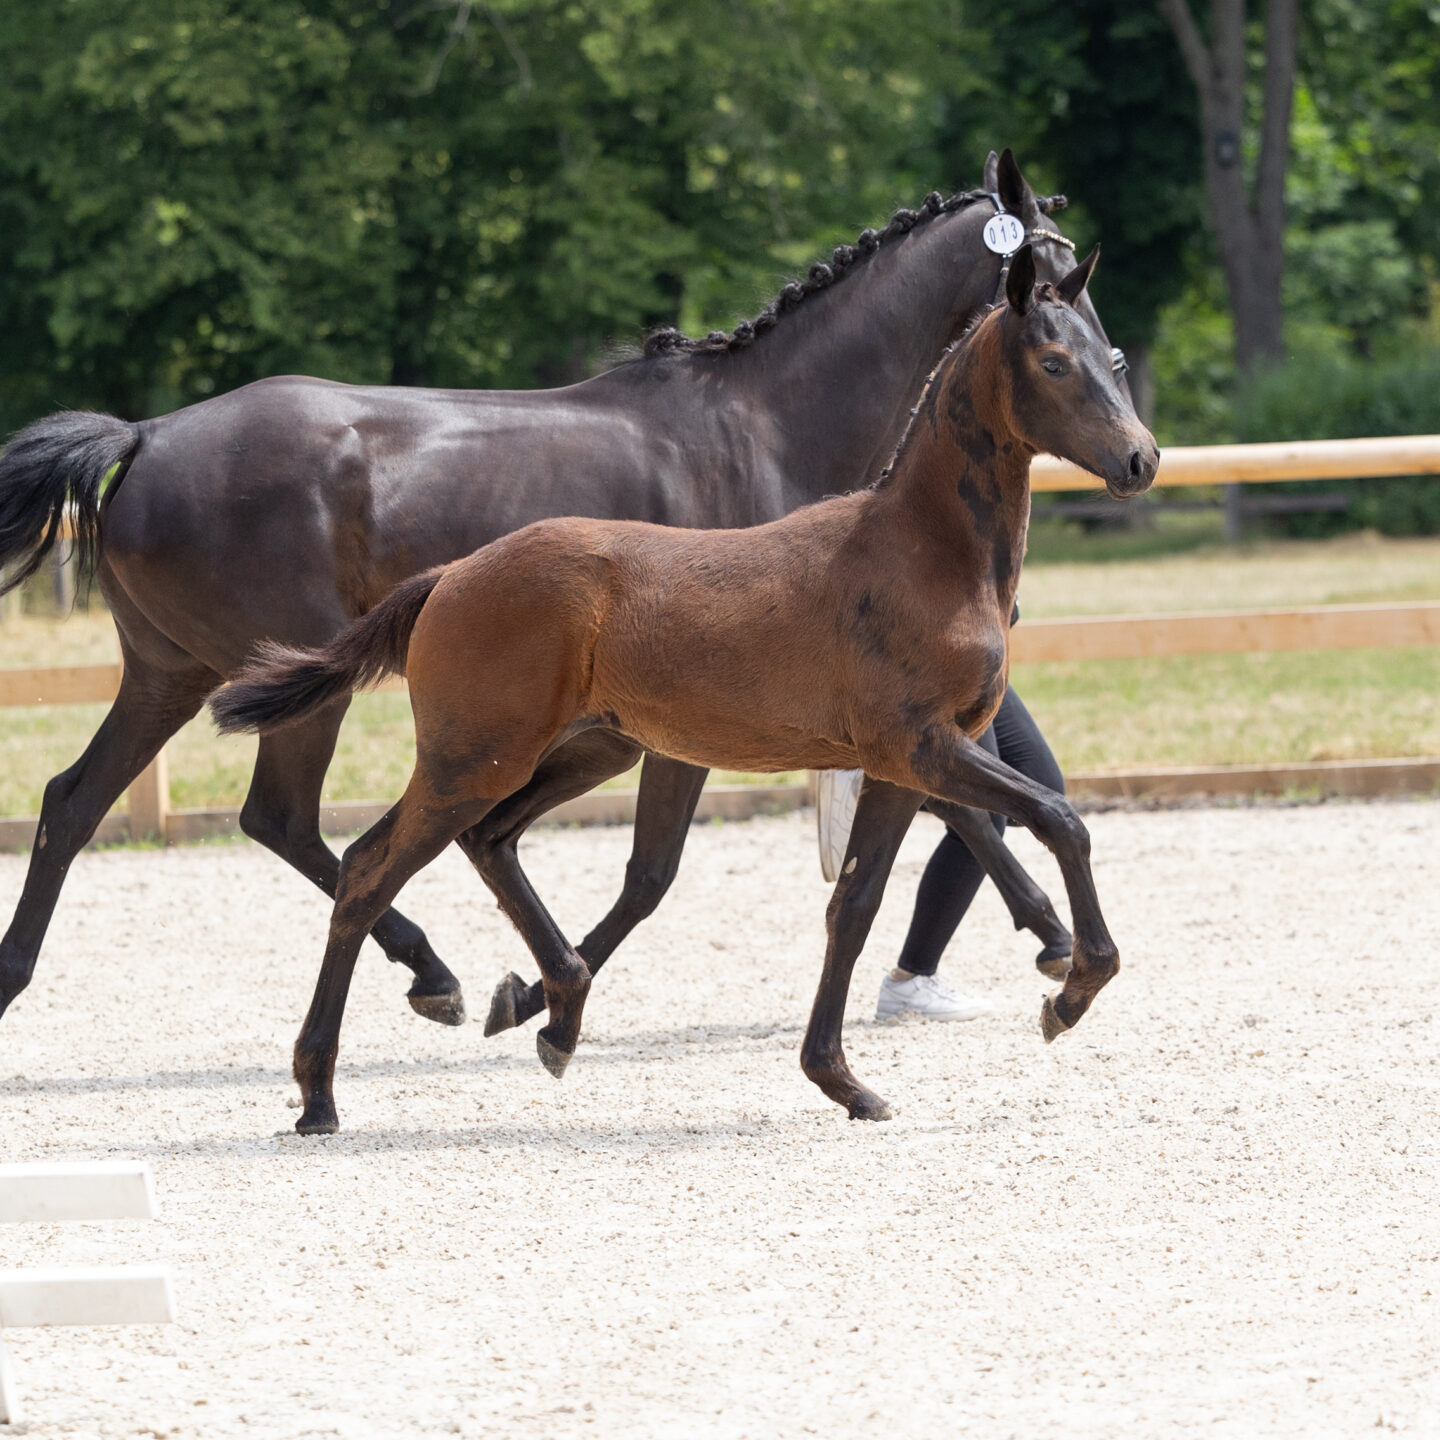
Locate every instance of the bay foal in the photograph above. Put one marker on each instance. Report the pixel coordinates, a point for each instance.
(869, 630)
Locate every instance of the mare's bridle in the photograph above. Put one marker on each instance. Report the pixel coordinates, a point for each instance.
(1118, 363)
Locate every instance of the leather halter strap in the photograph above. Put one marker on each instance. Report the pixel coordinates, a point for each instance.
(1118, 363)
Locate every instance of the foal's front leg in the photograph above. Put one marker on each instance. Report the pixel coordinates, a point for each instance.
(882, 816)
(1028, 904)
(948, 764)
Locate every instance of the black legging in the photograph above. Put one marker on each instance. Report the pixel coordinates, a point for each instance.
(953, 875)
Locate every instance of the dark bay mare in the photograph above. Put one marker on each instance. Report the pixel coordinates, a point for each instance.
(289, 507)
(870, 630)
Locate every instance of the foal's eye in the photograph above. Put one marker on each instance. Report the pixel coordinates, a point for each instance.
(1051, 366)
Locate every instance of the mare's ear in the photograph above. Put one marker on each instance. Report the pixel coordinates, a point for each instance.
(991, 182)
(1015, 194)
(1072, 287)
(1020, 281)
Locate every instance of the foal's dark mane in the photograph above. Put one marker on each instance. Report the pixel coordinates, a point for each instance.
(667, 340)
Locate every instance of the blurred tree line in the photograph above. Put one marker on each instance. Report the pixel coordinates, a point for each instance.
(195, 193)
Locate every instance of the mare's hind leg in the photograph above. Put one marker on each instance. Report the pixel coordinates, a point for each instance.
(948, 764)
(1028, 904)
(414, 831)
(152, 705)
(669, 791)
(664, 808)
(882, 817)
(282, 812)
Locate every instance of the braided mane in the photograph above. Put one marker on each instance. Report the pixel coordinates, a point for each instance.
(667, 340)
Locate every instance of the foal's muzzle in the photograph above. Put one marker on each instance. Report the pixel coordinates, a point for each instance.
(1139, 472)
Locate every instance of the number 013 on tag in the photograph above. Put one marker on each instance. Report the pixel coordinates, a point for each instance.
(1004, 234)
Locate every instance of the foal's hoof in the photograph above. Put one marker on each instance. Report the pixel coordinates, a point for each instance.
(552, 1059)
(1053, 962)
(505, 1004)
(1051, 1024)
(446, 1009)
(871, 1107)
(318, 1120)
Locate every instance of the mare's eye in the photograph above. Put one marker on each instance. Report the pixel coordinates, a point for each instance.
(1051, 366)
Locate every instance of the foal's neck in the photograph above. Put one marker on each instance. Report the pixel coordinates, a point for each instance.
(963, 471)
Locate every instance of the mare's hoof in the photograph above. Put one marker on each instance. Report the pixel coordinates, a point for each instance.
(1051, 1024)
(447, 1009)
(1053, 962)
(552, 1059)
(872, 1107)
(319, 1120)
(505, 1004)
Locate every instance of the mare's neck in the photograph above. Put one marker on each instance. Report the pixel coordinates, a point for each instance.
(841, 371)
(962, 478)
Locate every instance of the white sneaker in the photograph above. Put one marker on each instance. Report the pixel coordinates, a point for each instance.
(927, 996)
(836, 794)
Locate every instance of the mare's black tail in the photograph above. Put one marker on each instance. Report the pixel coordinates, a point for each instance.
(280, 685)
(58, 461)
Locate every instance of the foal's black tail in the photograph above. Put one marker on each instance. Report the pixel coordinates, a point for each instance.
(280, 685)
(58, 461)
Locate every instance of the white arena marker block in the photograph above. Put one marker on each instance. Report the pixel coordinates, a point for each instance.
(81, 1190)
(9, 1398)
(125, 1295)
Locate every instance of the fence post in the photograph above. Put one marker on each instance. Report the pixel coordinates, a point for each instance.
(150, 801)
(64, 579)
(1234, 512)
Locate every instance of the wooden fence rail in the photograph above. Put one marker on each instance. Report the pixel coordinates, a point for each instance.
(1261, 463)
(1106, 637)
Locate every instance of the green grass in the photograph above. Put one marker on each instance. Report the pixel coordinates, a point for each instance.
(1237, 709)
(1189, 710)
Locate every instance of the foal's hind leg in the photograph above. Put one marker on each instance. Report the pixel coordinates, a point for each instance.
(566, 977)
(1028, 904)
(577, 766)
(882, 817)
(282, 812)
(414, 831)
(669, 791)
(151, 706)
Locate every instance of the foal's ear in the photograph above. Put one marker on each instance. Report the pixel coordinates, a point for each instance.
(991, 182)
(1015, 193)
(1020, 281)
(1072, 287)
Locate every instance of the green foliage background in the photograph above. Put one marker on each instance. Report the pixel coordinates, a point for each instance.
(196, 193)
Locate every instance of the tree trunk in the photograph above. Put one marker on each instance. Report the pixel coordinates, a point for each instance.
(1141, 377)
(1249, 221)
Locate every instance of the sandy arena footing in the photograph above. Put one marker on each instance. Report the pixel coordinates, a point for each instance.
(1212, 1209)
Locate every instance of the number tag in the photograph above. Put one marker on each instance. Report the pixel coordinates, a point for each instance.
(1004, 234)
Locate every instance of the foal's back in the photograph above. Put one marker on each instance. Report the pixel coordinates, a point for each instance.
(761, 649)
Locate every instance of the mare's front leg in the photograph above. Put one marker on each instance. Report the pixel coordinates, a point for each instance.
(882, 816)
(946, 763)
(409, 836)
(1028, 904)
